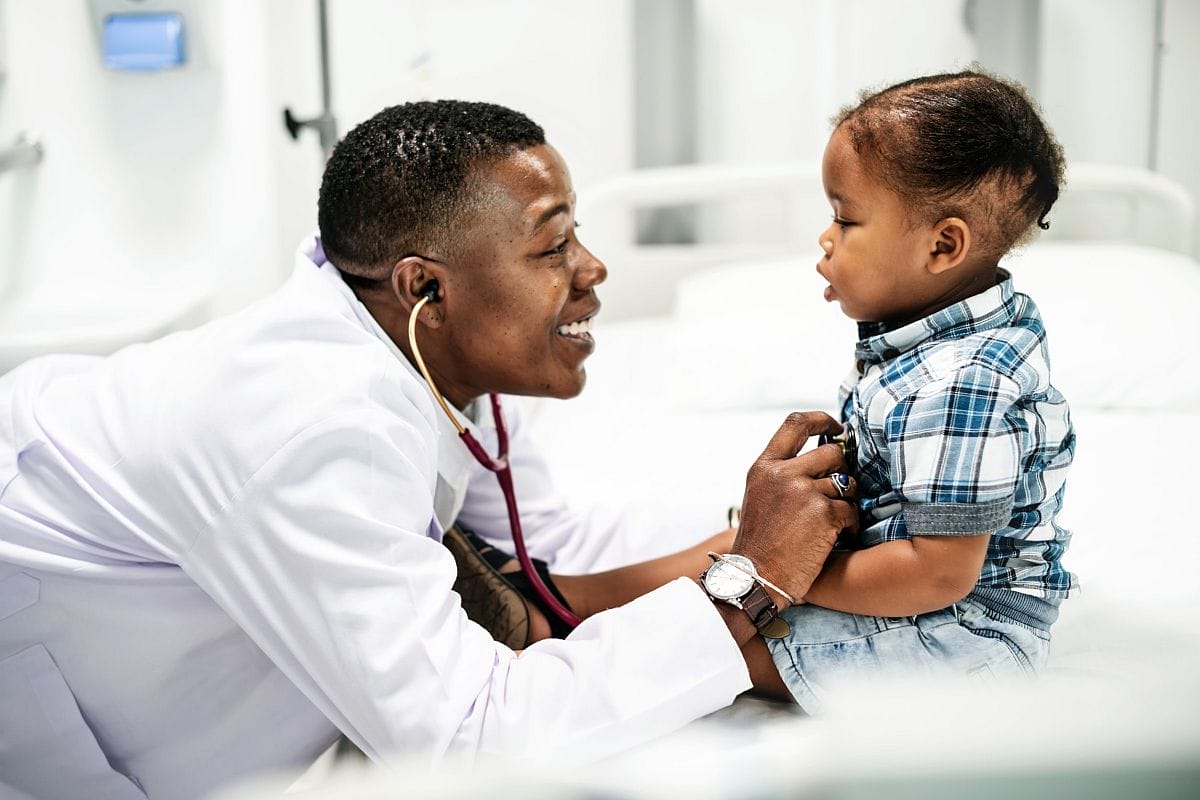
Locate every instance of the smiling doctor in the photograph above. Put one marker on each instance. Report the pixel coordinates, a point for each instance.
(221, 549)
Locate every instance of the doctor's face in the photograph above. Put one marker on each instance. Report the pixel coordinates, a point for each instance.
(519, 298)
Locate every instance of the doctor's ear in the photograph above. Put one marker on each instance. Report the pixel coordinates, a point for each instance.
(949, 246)
(414, 278)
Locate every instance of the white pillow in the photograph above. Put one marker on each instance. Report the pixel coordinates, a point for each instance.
(1122, 321)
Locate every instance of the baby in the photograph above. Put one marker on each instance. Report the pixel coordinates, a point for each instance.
(963, 443)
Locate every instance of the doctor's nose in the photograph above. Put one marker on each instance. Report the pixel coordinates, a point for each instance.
(590, 270)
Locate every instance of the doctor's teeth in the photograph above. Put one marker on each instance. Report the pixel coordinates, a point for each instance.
(576, 328)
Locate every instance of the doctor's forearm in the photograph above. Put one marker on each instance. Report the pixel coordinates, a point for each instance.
(588, 594)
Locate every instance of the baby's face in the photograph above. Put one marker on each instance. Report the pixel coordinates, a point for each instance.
(874, 256)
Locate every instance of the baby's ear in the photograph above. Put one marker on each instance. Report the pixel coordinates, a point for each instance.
(950, 243)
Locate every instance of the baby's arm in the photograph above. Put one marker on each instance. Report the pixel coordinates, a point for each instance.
(901, 578)
(953, 449)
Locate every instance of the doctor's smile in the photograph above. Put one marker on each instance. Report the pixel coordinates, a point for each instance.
(580, 330)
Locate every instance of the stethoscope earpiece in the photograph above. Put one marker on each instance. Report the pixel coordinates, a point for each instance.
(430, 291)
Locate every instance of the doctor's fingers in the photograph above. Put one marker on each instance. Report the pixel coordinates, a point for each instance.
(810, 484)
(838, 486)
(795, 431)
(821, 461)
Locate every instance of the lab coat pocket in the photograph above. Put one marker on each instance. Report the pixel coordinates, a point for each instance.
(47, 750)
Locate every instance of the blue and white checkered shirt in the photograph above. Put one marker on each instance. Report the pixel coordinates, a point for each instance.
(960, 432)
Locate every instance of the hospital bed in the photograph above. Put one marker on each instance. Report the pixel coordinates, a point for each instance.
(703, 348)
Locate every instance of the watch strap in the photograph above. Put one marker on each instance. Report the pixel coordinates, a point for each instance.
(759, 607)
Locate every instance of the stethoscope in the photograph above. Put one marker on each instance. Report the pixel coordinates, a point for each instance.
(498, 465)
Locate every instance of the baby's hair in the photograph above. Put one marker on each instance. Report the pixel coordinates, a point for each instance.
(966, 144)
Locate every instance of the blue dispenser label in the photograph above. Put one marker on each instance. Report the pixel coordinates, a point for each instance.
(143, 42)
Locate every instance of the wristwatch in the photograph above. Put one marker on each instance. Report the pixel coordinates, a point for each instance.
(725, 583)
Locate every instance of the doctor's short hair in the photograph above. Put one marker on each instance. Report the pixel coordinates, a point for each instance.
(401, 183)
(965, 144)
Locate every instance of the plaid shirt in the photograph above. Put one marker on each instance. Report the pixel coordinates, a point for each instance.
(960, 432)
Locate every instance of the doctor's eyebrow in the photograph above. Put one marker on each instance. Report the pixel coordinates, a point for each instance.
(547, 215)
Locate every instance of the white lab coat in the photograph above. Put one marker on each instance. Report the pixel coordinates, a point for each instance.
(220, 548)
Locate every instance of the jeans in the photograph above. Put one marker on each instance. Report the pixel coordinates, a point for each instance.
(826, 647)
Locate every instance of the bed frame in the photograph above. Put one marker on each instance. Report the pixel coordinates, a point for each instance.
(758, 211)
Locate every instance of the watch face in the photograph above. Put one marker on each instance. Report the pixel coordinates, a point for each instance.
(725, 581)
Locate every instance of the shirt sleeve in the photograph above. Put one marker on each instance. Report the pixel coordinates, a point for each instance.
(955, 449)
(325, 559)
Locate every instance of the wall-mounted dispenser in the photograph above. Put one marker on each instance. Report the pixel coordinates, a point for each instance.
(147, 36)
(142, 42)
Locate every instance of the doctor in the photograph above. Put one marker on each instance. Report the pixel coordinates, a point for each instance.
(220, 549)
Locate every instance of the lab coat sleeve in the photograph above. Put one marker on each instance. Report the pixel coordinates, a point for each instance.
(324, 559)
(572, 541)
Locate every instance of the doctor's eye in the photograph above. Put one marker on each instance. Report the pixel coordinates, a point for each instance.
(557, 250)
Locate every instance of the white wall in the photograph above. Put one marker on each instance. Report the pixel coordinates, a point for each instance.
(1095, 77)
(1097, 84)
(880, 42)
(1179, 119)
(772, 73)
(569, 67)
(168, 183)
(189, 175)
(148, 180)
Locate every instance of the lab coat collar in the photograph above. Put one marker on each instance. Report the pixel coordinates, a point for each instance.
(454, 460)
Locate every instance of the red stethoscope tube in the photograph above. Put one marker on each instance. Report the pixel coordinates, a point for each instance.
(500, 467)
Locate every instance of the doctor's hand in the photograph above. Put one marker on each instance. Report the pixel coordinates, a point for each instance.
(793, 511)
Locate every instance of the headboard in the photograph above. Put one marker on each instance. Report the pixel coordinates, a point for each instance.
(746, 212)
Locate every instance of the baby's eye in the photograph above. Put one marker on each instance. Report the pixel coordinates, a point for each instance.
(845, 223)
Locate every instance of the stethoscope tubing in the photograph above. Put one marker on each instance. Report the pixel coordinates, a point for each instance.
(502, 470)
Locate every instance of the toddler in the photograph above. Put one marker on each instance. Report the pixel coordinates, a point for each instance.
(963, 443)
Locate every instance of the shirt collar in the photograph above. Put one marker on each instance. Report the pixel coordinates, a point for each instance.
(992, 308)
(454, 459)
